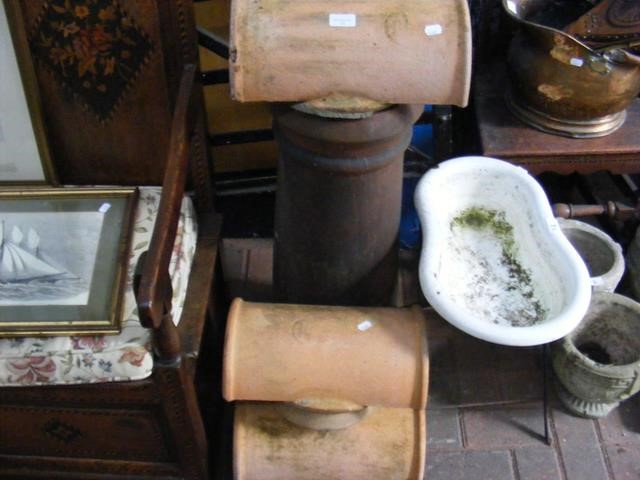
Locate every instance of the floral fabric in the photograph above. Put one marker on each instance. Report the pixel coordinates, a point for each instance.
(27, 361)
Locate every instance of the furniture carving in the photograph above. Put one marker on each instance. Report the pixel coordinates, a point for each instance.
(99, 82)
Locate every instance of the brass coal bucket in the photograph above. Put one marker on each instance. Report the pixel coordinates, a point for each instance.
(561, 85)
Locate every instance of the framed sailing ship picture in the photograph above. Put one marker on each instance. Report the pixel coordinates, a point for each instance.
(63, 260)
(25, 156)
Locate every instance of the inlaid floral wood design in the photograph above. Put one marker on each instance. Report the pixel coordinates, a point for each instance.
(93, 47)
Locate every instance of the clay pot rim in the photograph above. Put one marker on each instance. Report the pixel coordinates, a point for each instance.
(383, 126)
(317, 419)
(616, 371)
(618, 257)
(327, 405)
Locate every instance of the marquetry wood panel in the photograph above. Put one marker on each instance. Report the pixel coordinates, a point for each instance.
(108, 74)
(80, 433)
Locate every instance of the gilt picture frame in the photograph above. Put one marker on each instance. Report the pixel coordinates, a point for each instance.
(63, 260)
(25, 156)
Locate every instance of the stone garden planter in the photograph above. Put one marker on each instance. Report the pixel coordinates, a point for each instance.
(602, 256)
(598, 365)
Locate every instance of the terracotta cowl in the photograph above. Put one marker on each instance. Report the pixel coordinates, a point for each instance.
(409, 51)
(387, 444)
(302, 353)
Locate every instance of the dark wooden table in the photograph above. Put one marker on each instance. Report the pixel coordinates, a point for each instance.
(504, 136)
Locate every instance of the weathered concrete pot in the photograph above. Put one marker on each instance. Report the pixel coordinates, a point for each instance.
(494, 262)
(601, 254)
(633, 266)
(598, 365)
(409, 51)
(387, 444)
(304, 354)
(560, 85)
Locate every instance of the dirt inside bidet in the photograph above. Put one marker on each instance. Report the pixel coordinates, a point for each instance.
(497, 285)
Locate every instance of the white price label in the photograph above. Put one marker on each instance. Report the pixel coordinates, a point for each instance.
(364, 326)
(433, 30)
(343, 20)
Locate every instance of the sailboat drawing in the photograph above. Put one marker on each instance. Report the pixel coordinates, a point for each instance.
(56, 269)
(20, 260)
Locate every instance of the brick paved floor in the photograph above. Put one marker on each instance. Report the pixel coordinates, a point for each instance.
(485, 416)
(486, 422)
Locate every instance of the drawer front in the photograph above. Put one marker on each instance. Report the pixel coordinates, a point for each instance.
(82, 433)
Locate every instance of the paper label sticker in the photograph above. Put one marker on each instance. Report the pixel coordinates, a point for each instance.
(511, 5)
(364, 326)
(343, 20)
(433, 30)
(577, 62)
(104, 208)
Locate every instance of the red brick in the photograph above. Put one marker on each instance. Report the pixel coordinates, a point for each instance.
(518, 358)
(537, 463)
(580, 450)
(624, 461)
(443, 389)
(443, 428)
(622, 425)
(521, 385)
(474, 354)
(469, 465)
(479, 387)
(503, 427)
(438, 326)
(440, 354)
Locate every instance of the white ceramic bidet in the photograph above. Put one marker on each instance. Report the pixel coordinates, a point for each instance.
(494, 261)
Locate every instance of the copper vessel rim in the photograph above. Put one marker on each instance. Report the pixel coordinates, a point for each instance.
(505, 6)
(597, 127)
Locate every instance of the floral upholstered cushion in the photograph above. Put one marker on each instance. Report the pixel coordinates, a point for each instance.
(126, 356)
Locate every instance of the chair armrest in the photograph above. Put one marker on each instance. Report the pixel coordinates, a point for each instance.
(204, 296)
(153, 285)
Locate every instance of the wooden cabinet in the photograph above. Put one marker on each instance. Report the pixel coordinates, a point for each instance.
(108, 73)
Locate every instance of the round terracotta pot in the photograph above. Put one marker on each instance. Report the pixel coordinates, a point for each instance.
(302, 353)
(598, 365)
(386, 444)
(601, 254)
